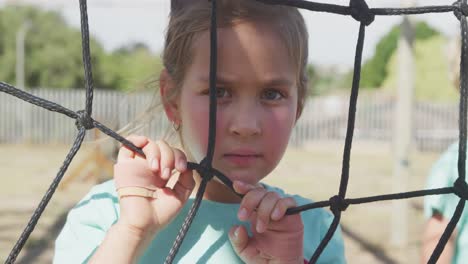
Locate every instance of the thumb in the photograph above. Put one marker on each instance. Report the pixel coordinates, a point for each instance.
(184, 186)
(240, 243)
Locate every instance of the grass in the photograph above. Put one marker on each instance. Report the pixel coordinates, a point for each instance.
(313, 171)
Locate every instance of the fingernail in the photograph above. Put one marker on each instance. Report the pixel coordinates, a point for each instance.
(182, 165)
(154, 165)
(260, 226)
(276, 214)
(242, 214)
(166, 173)
(236, 232)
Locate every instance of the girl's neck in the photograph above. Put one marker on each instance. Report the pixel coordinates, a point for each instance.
(215, 191)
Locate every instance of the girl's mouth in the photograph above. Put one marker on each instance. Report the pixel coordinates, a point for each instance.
(242, 160)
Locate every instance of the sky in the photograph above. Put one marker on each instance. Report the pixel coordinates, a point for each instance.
(332, 37)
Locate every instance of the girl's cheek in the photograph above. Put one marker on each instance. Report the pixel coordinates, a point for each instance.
(196, 132)
(282, 123)
(201, 132)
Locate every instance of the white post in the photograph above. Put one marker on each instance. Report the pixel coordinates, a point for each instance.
(20, 74)
(20, 37)
(403, 129)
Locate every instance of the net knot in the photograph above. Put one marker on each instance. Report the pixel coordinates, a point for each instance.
(361, 12)
(461, 188)
(84, 120)
(205, 170)
(461, 9)
(338, 204)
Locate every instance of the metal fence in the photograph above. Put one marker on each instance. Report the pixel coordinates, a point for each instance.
(21, 122)
(435, 126)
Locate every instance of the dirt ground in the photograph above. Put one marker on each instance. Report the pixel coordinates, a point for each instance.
(312, 171)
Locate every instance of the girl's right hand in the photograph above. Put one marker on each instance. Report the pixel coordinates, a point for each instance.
(147, 215)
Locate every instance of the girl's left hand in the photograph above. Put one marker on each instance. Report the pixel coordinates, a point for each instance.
(277, 238)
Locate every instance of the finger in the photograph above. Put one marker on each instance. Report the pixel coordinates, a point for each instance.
(281, 206)
(264, 211)
(172, 200)
(250, 202)
(138, 141)
(169, 201)
(180, 160)
(127, 153)
(134, 172)
(184, 186)
(167, 159)
(240, 243)
(153, 155)
(243, 187)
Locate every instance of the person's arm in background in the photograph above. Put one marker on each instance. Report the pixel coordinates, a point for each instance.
(432, 232)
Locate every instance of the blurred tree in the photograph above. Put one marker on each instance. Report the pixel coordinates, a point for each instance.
(52, 49)
(323, 80)
(432, 80)
(140, 66)
(375, 70)
(53, 55)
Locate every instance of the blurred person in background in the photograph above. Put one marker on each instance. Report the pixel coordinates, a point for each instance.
(439, 209)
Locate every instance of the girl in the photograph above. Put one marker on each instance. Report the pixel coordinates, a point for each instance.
(261, 84)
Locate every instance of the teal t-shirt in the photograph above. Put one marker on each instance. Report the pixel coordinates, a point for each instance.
(206, 241)
(443, 174)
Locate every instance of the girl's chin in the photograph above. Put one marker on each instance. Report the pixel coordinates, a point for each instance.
(245, 177)
(237, 177)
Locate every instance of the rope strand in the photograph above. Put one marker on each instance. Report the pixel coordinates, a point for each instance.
(359, 10)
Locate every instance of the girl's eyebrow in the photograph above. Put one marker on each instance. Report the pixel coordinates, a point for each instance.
(269, 82)
(220, 79)
(283, 82)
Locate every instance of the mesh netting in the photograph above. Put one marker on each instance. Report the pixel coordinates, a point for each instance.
(360, 11)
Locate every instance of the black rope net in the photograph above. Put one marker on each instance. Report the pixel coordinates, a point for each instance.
(359, 10)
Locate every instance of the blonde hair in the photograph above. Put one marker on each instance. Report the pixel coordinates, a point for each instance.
(191, 17)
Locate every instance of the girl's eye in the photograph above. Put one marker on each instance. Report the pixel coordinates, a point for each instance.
(272, 94)
(221, 92)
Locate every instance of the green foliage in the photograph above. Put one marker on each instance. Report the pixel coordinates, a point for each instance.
(323, 81)
(130, 66)
(375, 70)
(53, 54)
(432, 81)
(423, 31)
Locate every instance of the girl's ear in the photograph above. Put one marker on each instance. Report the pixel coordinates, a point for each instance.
(170, 103)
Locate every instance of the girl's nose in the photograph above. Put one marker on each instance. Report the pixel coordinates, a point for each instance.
(246, 121)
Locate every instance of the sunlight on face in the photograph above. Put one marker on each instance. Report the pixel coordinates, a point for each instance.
(257, 101)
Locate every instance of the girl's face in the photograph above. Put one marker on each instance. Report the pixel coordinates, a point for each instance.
(257, 100)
